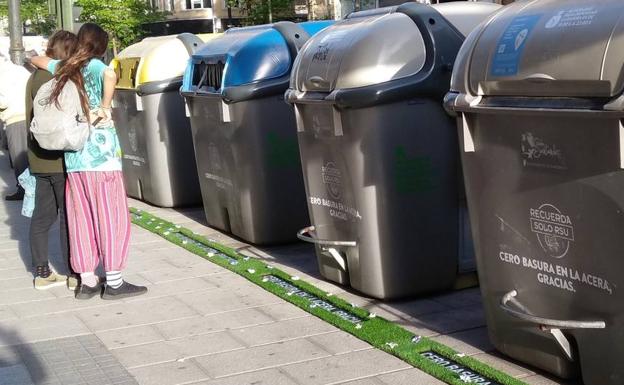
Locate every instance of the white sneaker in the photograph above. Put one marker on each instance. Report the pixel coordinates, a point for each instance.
(72, 282)
(53, 280)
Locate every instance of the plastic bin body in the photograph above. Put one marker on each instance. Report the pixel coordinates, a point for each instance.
(149, 113)
(245, 134)
(379, 152)
(158, 157)
(542, 157)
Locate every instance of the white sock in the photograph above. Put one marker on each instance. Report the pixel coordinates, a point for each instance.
(113, 279)
(88, 279)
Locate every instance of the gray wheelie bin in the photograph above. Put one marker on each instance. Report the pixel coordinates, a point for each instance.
(538, 94)
(379, 153)
(154, 132)
(244, 133)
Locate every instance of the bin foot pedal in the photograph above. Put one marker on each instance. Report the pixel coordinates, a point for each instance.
(337, 257)
(563, 342)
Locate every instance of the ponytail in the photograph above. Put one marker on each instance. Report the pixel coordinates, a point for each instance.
(92, 43)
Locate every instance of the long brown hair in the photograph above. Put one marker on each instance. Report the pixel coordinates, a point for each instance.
(61, 45)
(92, 43)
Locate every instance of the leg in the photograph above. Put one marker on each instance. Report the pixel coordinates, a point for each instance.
(58, 186)
(17, 140)
(81, 223)
(114, 221)
(42, 219)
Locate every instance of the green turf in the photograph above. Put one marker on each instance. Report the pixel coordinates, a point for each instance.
(375, 330)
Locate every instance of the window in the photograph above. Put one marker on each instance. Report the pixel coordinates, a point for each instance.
(198, 4)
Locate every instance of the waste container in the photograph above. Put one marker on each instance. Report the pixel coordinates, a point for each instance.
(244, 133)
(149, 113)
(379, 153)
(538, 96)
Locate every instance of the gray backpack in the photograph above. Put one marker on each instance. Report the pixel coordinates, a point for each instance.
(59, 128)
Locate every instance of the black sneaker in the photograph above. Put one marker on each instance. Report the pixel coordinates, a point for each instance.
(17, 196)
(124, 291)
(88, 292)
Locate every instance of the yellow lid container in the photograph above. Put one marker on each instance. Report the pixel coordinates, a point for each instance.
(155, 59)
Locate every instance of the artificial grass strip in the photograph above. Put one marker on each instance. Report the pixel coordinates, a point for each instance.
(375, 330)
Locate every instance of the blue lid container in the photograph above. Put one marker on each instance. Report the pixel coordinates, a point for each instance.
(249, 62)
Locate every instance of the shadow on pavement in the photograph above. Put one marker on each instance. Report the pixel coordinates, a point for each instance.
(19, 364)
(18, 226)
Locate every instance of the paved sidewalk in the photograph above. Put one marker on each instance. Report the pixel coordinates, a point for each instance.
(202, 324)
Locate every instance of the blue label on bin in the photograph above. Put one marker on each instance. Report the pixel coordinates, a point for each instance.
(511, 45)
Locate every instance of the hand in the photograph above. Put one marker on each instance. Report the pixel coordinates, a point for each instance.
(99, 116)
(104, 113)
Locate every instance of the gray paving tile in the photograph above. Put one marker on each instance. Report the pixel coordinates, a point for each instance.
(409, 377)
(182, 286)
(344, 367)
(181, 273)
(121, 315)
(14, 375)
(261, 377)
(9, 355)
(54, 305)
(364, 381)
(460, 298)
(213, 323)
(411, 308)
(339, 342)
(178, 349)
(453, 320)
(497, 361)
(283, 331)
(48, 361)
(130, 336)
(169, 373)
(469, 342)
(261, 357)
(283, 311)
(225, 280)
(6, 312)
(24, 295)
(226, 300)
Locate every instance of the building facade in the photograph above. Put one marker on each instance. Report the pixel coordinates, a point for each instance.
(198, 16)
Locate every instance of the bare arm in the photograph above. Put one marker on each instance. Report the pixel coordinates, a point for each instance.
(110, 81)
(40, 62)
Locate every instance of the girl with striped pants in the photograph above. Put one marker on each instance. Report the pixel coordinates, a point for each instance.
(96, 205)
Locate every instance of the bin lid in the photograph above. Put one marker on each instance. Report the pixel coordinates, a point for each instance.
(154, 59)
(374, 47)
(243, 56)
(465, 16)
(550, 48)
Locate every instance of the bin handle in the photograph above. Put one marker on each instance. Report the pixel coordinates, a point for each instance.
(301, 234)
(545, 323)
(539, 77)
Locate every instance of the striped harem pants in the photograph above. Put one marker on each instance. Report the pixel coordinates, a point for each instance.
(98, 220)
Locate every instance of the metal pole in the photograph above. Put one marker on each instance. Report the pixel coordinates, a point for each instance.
(67, 15)
(270, 13)
(16, 50)
(229, 25)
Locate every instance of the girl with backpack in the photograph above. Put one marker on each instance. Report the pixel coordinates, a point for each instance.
(96, 204)
(47, 167)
